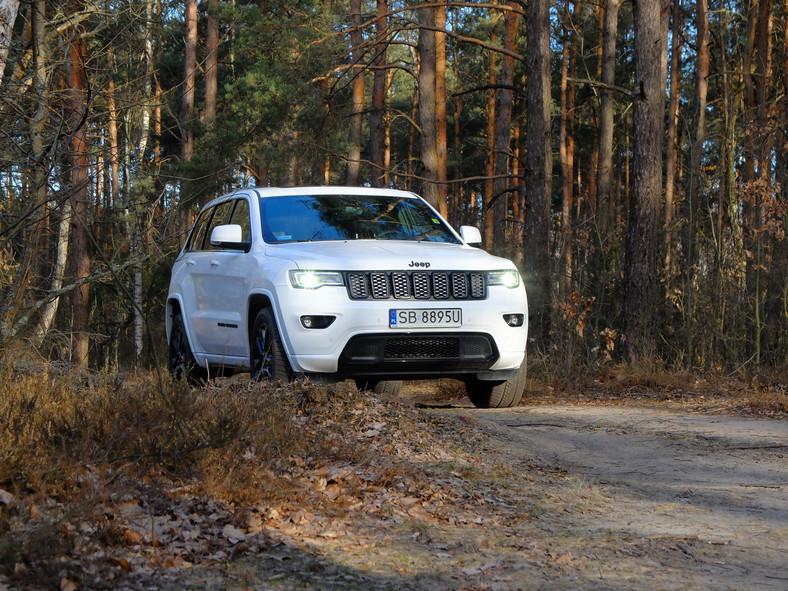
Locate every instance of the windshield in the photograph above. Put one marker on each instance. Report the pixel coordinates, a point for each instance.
(313, 218)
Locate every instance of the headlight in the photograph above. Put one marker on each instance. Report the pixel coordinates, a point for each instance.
(315, 279)
(509, 278)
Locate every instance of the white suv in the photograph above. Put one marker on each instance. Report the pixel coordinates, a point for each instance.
(342, 283)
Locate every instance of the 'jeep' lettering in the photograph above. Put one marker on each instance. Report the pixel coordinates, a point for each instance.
(417, 264)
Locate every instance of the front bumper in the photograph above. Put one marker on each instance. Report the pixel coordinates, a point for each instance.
(360, 342)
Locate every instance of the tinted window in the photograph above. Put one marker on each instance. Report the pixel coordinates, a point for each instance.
(314, 218)
(198, 233)
(241, 217)
(220, 216)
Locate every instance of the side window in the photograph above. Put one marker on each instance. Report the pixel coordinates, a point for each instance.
(241, 217)
(198, 233)
(220, 217)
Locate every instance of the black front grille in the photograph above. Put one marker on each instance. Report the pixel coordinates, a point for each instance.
(422, 348)
(418, 285)
(428, 354)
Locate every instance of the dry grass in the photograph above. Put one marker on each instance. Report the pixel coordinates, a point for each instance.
(71, 444)
(75, 449)
(762, 393)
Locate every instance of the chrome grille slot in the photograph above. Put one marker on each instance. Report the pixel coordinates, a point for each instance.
(416, 285)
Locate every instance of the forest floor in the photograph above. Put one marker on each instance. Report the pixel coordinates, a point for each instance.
(606, 488)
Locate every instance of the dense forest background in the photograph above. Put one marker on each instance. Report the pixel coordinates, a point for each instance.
(631, 157)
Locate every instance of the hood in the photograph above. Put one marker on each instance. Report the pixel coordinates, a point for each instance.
(387, 255)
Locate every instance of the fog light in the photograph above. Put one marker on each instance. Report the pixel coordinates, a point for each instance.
(317, 321)
(514, 319)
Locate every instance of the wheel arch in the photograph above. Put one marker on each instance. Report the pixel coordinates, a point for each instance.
(257, 301)
(174, 307)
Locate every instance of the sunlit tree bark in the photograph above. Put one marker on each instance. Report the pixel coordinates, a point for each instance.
(377, 130)
(489, 170)
(427, 115)
(211, 63)
(671, 151)
(357, 73)
(503, 184)
(76, 114)
(566, 148)
(441, 141)
(187, 112)
(8, 12)
(605, 196)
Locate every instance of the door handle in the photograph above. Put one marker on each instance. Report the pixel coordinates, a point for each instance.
(214, 263)
(190, 262)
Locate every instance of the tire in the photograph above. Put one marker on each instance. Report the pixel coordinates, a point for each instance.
(386, 389)
(484, 394)
(267, 359)
(180, 359)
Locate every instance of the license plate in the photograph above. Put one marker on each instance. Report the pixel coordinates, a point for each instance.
(420, 318)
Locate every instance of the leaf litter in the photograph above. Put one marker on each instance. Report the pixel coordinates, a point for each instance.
(343, 491)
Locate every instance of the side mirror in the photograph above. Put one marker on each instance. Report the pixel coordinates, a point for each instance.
(229, 236)
(471, 235)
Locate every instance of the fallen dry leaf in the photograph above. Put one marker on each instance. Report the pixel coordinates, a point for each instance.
(232, 534)
(332, 491)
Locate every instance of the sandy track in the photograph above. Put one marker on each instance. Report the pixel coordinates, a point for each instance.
(718, 483)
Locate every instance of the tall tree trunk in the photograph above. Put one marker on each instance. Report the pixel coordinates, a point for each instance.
(593, 165)
(537, 174)
(518, 209)
(211, 63)
(114, 150)
(157, 100)
(411, 140)
(566, 150)
(606, 198)
(76, 113)
(357, 71)
(139, 209)
(731, 200)
(441, 140)
(58, 271)
(640, 259)
(40, 55)
(387, 133)
(697, 135)
(8, 12)
(781, 254)
(187, 113)
(429, 152)
(503, 135)
(377, 131)
(763, 157)
(489, 183)
(455, 200)
(671, 152)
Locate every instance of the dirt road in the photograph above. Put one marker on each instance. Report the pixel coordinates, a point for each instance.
(439, 495)
(711, 490)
